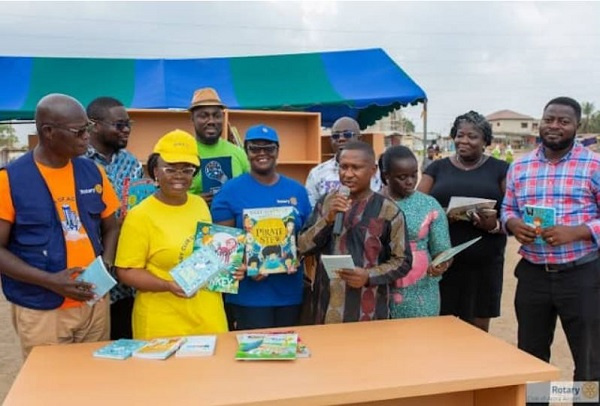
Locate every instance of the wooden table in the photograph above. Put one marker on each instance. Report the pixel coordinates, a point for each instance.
(433, 361)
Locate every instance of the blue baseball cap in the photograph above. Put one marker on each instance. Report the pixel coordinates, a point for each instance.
(261, 132)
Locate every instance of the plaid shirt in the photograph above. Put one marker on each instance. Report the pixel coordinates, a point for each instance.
(571, 186)
(122, 165)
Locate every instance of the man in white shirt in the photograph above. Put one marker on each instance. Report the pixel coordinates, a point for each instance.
(325, 177)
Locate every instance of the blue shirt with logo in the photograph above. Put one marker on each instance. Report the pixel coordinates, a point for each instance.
(244, 192)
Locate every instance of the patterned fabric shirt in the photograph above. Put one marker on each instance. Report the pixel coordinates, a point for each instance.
(374, 234)
(571, 186)
(123, 165)
(325, 178)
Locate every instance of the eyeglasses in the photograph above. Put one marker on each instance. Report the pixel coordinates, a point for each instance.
(119, 125)
(78, 132)
(346, 134)
(256, 149)
(170, 171)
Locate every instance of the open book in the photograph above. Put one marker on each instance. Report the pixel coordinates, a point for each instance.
(460, 206)
(451, 252)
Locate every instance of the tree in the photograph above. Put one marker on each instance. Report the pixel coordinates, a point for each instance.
(8, 137)
(587, 108)
(407, 126)
(594, 124)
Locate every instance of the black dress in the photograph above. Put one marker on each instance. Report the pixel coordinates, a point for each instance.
(472, 286)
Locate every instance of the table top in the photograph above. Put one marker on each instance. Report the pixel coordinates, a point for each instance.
(350, 363)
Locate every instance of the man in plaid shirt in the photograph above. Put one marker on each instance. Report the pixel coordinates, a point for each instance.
(559, 274)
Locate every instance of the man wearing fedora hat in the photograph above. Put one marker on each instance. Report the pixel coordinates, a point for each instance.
(220, 160)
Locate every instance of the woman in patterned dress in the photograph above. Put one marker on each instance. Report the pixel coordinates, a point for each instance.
(417, 294)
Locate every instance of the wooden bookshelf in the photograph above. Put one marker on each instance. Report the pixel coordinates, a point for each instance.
(298, 132)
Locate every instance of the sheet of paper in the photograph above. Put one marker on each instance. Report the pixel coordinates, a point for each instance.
(333, 263)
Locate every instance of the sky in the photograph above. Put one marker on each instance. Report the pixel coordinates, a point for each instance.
(482, 56)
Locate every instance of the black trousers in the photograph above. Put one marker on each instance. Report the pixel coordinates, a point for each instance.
(120, 319)
(574, 296)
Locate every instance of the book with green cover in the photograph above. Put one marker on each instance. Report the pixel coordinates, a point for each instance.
(228, 244)
(267, 346)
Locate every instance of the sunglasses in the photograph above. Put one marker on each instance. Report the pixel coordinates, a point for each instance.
(78, 132)
(346, 134)
(256, 149)
(170, 171)
(119, 125)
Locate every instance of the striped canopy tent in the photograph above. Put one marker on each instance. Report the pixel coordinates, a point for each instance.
(364, 84)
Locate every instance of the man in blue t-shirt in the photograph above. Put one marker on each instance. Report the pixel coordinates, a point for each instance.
(265, 300)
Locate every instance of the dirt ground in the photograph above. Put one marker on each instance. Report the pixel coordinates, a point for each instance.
(504, 327)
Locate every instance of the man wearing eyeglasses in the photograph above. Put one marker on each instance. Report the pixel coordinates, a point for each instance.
(325, 177)
(108, 139)
(56, 217)
(220, 160)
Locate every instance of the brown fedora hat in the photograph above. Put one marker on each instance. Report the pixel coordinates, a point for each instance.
(207, 96)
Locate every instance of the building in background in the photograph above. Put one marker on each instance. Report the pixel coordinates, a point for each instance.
(512, 128)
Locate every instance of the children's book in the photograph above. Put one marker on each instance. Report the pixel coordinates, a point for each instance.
(120, 349)
(97, 275)
(134, 192)
(460, 207)
(197, 346)
(539, 217)
(302, 350)
(267, 346)
(333, 263)
(228, 244)
(451, 252)
(270, 240)
(196, 270)
(215, 172)
(159, 348)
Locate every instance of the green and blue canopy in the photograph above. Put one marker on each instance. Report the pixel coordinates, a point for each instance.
(364, 84)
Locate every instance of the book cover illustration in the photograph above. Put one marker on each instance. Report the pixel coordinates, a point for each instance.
(197, 346)
(267, 346)
(134, 192)
(215, 172)
(159, 348)
(97, 275)
(120, 349)
(539, 217)
(451, 252)
(195, 271)
(460, 206)
(228, 244)
(302, 350)
(270, 240)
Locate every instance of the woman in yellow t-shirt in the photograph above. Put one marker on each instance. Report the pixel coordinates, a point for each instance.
(157, 235)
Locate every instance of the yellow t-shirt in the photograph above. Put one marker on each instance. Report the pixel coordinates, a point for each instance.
(61, 183)
(156, 237)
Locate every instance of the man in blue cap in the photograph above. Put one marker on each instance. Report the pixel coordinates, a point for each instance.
(272, 300)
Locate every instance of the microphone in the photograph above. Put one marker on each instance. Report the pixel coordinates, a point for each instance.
(338, 224)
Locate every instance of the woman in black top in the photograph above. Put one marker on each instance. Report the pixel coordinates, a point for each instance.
(472, 286)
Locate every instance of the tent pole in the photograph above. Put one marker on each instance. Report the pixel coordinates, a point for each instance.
(424, 129)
